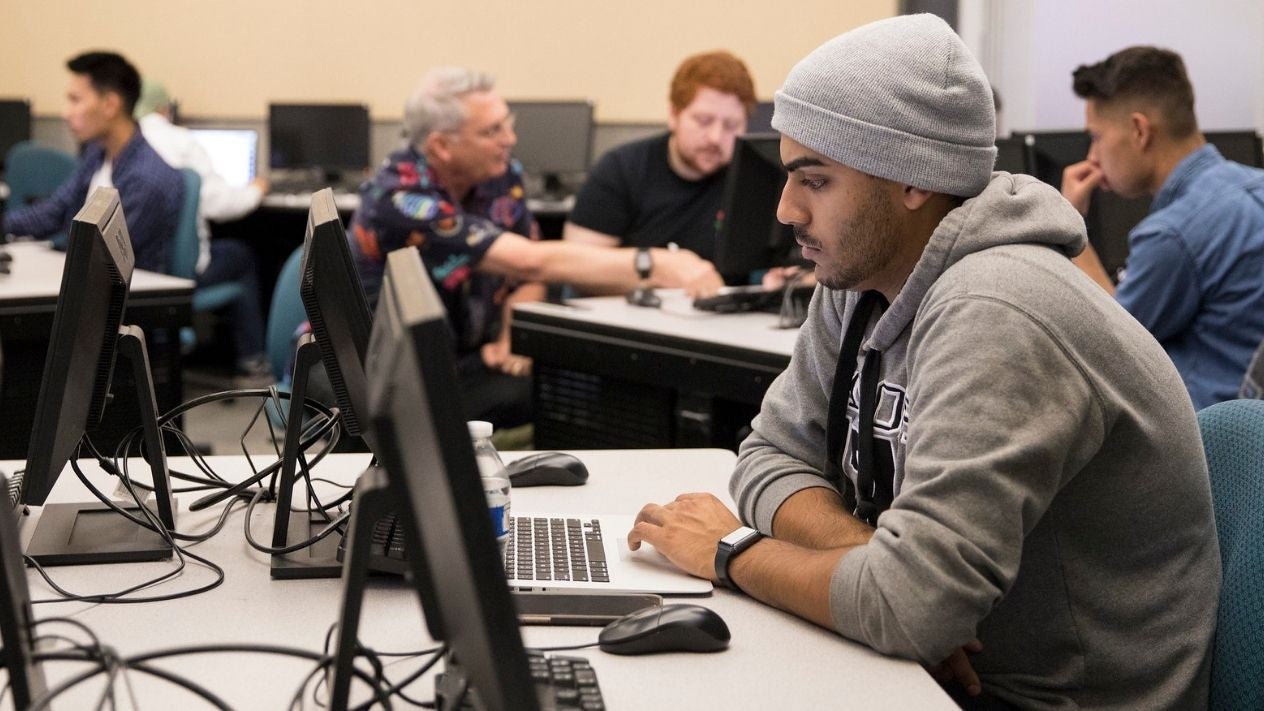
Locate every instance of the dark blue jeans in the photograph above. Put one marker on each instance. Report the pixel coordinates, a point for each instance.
(232, 260)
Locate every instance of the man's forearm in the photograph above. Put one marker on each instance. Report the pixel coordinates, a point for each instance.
(815, 518)
(789, 577)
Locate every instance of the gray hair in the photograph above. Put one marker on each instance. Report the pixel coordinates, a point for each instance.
(435, 104)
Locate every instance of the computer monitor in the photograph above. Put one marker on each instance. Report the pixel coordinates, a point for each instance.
(750, 237)
(87, 333)
(233, 152)
(15, 125)
(1238, 146)
(17, 648)
(433, 478)
(761, 120)
(1012, 154)
(554, 139)
(337, 308)
(326, 137)
(338, 311)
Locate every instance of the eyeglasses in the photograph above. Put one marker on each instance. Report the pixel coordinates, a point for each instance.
(497, 129)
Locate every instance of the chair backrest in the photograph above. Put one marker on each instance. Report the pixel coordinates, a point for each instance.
(1233, 435)
(285, 315)
(34, 172)
(186, 246)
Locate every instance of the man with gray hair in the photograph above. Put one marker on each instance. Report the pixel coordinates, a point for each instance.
(454, 192)
(976, 459)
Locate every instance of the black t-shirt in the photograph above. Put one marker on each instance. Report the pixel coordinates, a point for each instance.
(633, 194)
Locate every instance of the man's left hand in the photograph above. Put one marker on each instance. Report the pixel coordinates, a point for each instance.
(686, 531)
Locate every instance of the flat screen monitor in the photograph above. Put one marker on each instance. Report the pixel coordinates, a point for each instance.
(554, 138)
(1238, 146)
(233, 152)
(15, 125)
(327, 137)
(1110, 216)
(87, 332)
(81, 349)
(1011, 155)
(337, 308)
(750, 237)
(26, 682)
(433, 477)
(761, 120)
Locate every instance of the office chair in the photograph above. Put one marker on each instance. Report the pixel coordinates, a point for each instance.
(185, 249)
(284, 316)
(33, 173)
(1233, 436)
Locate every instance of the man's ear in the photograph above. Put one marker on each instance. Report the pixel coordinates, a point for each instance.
(913, 198)
(438, 145)
(1141, 129)
(112, 103)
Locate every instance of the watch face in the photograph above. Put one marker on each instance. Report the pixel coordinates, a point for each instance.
(737, 536)
(643, 263)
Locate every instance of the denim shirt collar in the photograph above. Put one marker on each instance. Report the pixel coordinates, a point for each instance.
(1184, 174)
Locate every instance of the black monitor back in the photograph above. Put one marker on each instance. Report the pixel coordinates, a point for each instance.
(330, 137)
(435, 480)
(553, 136)
(750, 237)
(760, 120)
(15, 125)
(1012, 155)
(337, 308)
(82, 346)
(17, 648)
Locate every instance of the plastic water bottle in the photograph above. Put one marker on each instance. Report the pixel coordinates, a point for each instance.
(495, 480)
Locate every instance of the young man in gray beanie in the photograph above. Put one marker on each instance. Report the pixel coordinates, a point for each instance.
(974, 448)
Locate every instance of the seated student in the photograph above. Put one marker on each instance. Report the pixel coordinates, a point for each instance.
(100, 97)
(974, 450)
(221, 260)
(453, 192)
(667, 189)
(1195, 270)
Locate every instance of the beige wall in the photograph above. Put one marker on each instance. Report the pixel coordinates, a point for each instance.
(229, 58)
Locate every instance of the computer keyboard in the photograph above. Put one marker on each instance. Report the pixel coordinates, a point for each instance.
(564, 683)
(543, 548)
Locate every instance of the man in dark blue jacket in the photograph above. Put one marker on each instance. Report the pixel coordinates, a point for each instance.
(100, 97)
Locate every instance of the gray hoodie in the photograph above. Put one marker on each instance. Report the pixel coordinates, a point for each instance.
(1051, 493)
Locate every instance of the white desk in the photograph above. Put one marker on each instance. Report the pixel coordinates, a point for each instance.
(775, 660)
(612, 375)
(36, 278)
(158, 303)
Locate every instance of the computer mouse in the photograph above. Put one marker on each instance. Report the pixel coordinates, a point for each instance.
(548, 469)
(669, 628)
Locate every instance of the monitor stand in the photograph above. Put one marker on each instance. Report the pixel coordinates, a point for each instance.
(90, 533)
(374, 498)
(319, 560)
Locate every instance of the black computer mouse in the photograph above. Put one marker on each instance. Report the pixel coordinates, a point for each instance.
(548, 469)
(669, 628)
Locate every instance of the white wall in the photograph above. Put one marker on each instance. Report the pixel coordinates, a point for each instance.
(1029, 49)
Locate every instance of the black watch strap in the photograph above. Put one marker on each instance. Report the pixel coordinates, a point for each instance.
(728, 549)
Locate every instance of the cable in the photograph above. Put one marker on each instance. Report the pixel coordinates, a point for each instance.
(568, 648)
(335, 525)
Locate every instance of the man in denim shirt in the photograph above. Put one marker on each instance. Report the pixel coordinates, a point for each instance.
(1195, 270)
(100, 97)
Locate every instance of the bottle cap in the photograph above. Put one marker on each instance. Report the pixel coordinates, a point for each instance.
(479, 429)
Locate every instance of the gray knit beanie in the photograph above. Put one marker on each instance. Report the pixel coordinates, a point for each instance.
(901, 99)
